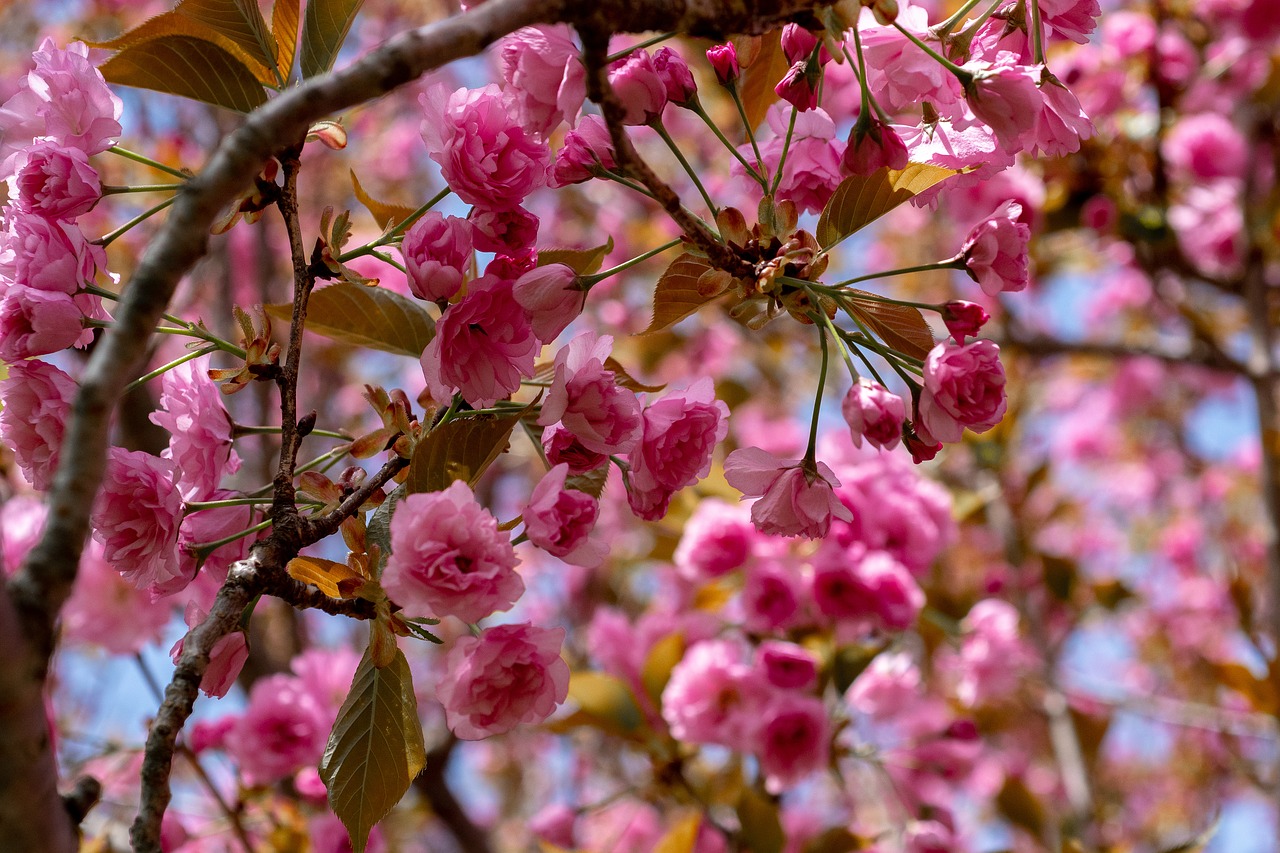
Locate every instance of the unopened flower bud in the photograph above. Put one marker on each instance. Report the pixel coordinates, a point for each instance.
(964, 319)
(724, 61)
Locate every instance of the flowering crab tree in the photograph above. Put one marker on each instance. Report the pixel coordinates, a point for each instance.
(561, 450)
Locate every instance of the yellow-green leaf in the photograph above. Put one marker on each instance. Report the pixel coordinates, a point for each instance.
(581, 261)
(461, 449)
(900, 326)
(862, 199)
(761, 825)
(591, 483)
(387, 215)
(236, 26)
(757, 86)
(677, 296)
(366, 317)
(662, 658)
(284, 29)
(189, 67)
(682, 837)
(604, 702)
(325, 575)
(324, 29)
(375, 748)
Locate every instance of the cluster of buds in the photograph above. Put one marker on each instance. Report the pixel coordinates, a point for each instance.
(399, 430)
(261, 359)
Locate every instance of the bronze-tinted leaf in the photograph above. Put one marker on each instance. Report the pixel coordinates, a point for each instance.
(387, 215)
(761, 824)
(284, 29)
(324, 29)
(461, 449)
(621, 377)
(900, 326)
(366, 317)
(581, 261)
(682, 837)
(756, 87)
(677, 295)
(325, 575)
(375, 748)
(862, 199)
(190, 67)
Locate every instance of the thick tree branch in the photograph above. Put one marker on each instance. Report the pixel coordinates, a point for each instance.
(1194, 354)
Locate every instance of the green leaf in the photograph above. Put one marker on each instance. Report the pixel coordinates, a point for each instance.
(189, 67)
(677, 296)
(375, 748)
(385, 214)
(369, 317)
(236, 26)
(324, 29)
(757, 87)
(900, 326)
(862, 199)
(581, 261)
(378, 530)
(761, 825)
(461, 449)
(284, 29)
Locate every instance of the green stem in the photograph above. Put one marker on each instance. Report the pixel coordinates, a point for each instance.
(596, 278)
(835, 333)
(108, 239)
(141, 188)
(751, 171)
(1037, 33)
(207, 548)
(963, 76)
(625, 181)
(675, 149)
(751, 134)
(387, 259)
(944, 29)
(198, 506)
(159, 371)
(195, 330)
(786, 146)
(869, 103)
(401, 227)
(810, 453)
(141, 158)
(649, 42)
(949, 264)
(239, 430)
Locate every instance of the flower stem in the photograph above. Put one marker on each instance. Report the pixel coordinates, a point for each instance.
(963, 76)
(108, 239)
(1037, 33)
(649, 42)
(142, 158)
(141, 188)
(240, 430)
(786, 146)
(675, 149)
(810, 453)
(751, 171)
(207, 548)
(401, 227)
(944, 29)
(159, 371)
(949, 264)
(751, 134)
(596, 278)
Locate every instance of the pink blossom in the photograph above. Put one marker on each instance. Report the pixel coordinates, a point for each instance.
(487, 159)
(542, 67)
(794, 499)
(887, 687)
(1062, 123)
(772, 597)
(799, 87)
(724, 61)
(681, 431)
(560, 445)
(199, 428)
(327, 673)
(996, 253)
(107, 611)
(507, 231)
(1074, 19)
(136, 518)
(63, 97)
(993, 656)
(586, 148)
(510, 674)
(483, 346)
(1204, 146)
(714, 694)
(875, 146)
(1006, 98)
(973, 147)
(900, 74)
(283, 729)
(54, 182)
(559, 520)
(586, 399)
(21, 525)
(963, 387)
(37, 400)
(964, 319)
(716, 539)
(642, 92)
(793, 739)
(1209, 223)
(675, 75)
(787, 666)
(798, 43)
(928, 836)
(211, 525)
(872, 411)
(48, 255)
(448, 557)
(920, 449)
(437, 252)
(553, 295)
(226, 658)
(328, 835)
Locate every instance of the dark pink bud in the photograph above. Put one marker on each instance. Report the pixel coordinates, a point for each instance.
(800, 87)
(964, 319)
(724, 61)
(798, 44)
(674, 73)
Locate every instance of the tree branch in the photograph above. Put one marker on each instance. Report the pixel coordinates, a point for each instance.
(433, 785)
